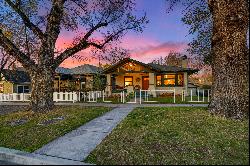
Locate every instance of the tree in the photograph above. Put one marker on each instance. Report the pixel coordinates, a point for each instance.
(172, 59)
(229, 57)
(6, 61)
(103, 22)
(230, 90)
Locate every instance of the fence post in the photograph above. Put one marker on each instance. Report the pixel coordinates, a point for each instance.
(208, 95)
(174, 95)
(191, 94)
(198, 94)
(140, 96)
(135, 97)
(203, 100)
(103, 95)
(123, 97)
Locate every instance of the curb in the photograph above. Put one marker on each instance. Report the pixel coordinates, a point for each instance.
(24, 158)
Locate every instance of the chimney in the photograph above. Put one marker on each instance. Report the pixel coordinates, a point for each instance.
(184, 61)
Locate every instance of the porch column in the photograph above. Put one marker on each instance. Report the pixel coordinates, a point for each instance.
(109, 85)
(186, 83)
(152, 83)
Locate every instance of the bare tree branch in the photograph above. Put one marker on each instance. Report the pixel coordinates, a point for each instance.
(12, 50)
(26, 20)
(81, 45)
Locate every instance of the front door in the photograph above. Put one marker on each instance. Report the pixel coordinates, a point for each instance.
(145, 83)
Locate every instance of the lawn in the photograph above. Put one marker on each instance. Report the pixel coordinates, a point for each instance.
(176, 135)
(39, 129)
(178, 100)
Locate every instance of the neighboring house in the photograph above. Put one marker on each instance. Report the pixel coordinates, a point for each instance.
(75, 79)
(132, 75)
(14, 81)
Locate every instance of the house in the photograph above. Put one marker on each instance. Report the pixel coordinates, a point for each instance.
(14, 81)
(75, 79)
(131, 75)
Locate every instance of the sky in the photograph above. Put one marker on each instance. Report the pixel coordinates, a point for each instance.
(164, 33)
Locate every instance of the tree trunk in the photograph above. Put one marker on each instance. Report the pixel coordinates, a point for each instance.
(230, 90)
(42, 90)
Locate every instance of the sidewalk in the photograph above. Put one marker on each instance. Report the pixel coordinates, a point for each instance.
(78, 144)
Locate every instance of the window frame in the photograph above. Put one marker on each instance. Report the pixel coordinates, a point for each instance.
(23, 89)
(128, 81)
(175, 79)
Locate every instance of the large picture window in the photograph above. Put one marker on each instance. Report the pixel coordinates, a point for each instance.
(170, 79)
(128, 80)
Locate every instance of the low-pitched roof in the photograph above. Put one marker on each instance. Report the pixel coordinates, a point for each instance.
(83, 69)
(153, 67)
(165, 68)
(16, 76)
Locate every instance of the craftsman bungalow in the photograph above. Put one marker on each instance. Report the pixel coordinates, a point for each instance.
(130, 75)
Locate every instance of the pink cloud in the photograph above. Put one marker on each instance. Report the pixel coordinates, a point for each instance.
(148, 53)
(142, 48)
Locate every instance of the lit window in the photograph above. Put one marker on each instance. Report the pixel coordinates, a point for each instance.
(169, 82)
(158, 80)
(128, 81)
(169, 76)
(169, 79)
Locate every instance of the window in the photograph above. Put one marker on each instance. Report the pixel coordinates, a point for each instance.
(169, 79)
(23, 89)
(128, 80)
(180, 79)
(158, 80)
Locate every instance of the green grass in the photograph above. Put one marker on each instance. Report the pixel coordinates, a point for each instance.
(176, 135)
(31, 136)
(178, 100)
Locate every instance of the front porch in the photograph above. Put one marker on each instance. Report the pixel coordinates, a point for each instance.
(130, 82)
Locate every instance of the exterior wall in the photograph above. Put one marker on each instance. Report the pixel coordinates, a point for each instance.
(7, 87)
(108, 87)
(120, 79)
(152, 83)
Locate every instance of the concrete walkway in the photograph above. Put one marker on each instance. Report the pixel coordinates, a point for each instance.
(78, 144)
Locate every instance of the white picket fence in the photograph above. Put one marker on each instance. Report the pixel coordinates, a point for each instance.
(100, 96)
(91, 96)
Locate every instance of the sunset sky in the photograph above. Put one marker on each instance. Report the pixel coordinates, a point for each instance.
(163, 33)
